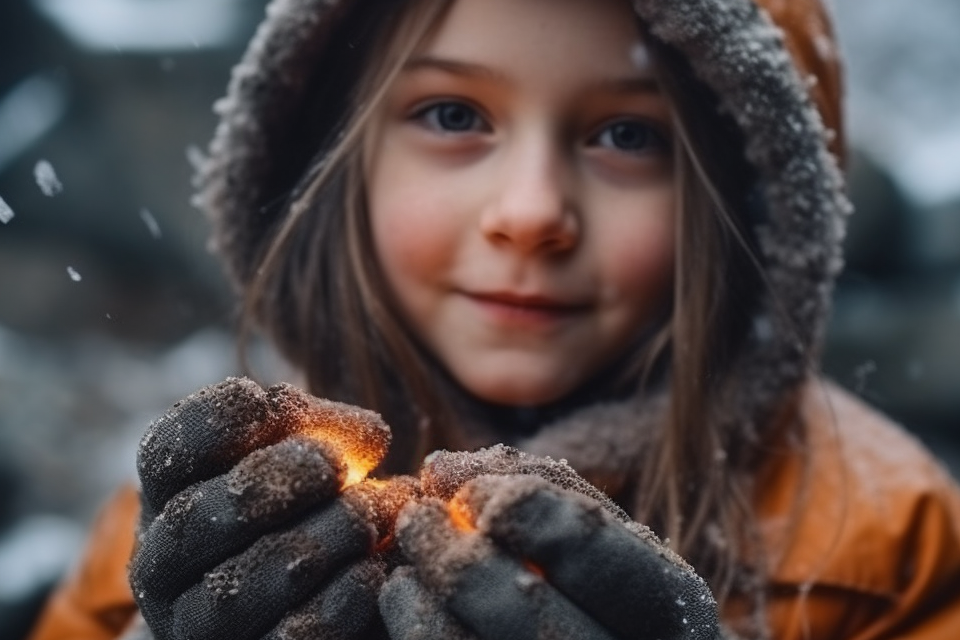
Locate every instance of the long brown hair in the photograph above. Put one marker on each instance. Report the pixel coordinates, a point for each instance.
(696, 481)
(319, 293)
(321, 297)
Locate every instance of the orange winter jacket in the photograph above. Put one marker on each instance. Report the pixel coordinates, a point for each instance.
(866, 538)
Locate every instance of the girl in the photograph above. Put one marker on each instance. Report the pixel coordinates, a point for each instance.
(597, 230)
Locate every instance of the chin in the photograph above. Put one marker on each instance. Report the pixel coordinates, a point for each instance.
(518, 393)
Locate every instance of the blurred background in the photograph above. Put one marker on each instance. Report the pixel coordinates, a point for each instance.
(111, 308)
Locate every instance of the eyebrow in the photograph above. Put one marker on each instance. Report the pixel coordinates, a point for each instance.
(629, 85)
(456, 67)
(639, 84)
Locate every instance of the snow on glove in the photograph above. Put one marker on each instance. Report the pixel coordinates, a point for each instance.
(517, 557)
(247, 531)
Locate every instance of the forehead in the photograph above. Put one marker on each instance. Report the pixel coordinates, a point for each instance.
(571, 36)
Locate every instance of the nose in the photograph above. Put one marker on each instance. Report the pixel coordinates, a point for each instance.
(533, 209)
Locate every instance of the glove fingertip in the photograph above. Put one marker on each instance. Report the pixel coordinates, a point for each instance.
(439, 544)
(380, 501)
(359, 435)
(201, 436)
(445, 472)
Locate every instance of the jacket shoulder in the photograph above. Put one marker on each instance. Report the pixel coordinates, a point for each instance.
(860, 519)
(95, 601)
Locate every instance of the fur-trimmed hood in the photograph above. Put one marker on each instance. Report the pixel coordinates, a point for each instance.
(772, 63)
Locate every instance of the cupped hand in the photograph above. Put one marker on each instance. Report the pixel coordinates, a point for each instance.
(256, 521)
(534, 554)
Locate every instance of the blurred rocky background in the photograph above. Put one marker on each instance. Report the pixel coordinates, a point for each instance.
(111, 308)
(895, 333)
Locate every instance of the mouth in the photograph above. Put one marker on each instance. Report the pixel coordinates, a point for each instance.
(527, 308)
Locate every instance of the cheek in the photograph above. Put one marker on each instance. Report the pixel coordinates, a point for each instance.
(638, 257)
(398, 238)
(411, 222)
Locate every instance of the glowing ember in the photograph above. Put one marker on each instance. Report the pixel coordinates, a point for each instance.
(356, 472)
(378, 484)
(461, 516)
(533, 568)
(360, 437)
(381, 500)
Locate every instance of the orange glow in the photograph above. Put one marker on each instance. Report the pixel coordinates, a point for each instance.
(381, 501)
(357, 437)
(355, 472)
(385, 543)
(532, 568)
(358, 462)
(461, 517)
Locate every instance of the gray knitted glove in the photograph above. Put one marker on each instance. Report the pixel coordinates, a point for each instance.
(521, 557)
(247, 531)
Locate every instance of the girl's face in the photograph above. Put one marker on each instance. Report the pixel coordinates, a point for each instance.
(521, 193)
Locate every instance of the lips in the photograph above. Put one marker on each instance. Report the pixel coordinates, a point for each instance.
(518, 310)
(533, 302)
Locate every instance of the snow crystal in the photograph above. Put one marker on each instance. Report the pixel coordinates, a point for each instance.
(195, 157)
(640, 56)
(824, 47)
(47, 178)
(6, 213)
(862, 373)
(74, 274)
(151, 223)
(526, 581)
(763, 329)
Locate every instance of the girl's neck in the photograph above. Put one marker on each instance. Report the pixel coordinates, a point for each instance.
(485, 423)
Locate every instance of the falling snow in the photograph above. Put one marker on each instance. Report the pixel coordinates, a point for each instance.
(640, 57)
(6, 213)
(195, 157)
(862, 373)
(151, 223)
(74, 274)
(47, 179)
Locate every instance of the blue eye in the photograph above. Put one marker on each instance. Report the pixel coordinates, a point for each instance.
(631, 136)
(453, 117)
